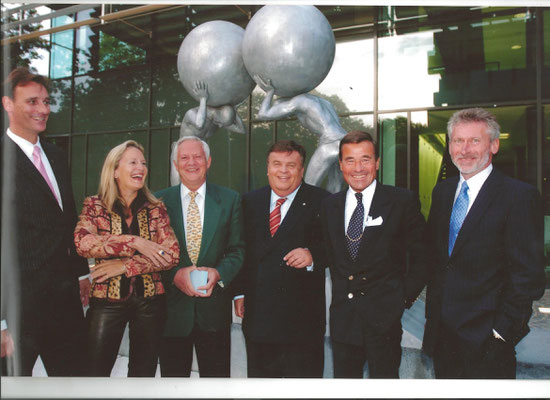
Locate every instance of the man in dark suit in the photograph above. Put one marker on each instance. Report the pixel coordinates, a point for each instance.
(41, 305)
(207, 221)
(281, 291)
(374, 236)
(486, 234)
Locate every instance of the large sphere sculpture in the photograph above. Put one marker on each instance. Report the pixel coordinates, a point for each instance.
(293, 45)
(212, 53)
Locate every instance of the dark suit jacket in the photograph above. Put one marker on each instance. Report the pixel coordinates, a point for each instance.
(372, 292)
(496, 269)
(283, 304)
(40, 266)
(222, 247)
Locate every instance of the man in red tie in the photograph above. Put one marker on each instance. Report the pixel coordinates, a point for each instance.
(280, 291)
(41, 293)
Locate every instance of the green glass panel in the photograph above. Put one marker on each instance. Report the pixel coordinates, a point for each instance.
(112, 101)
(261, 138)
(392, 142)
(59, 120)
(99, 146)
(169, 98)
(61, 56)
(228, 151)
(78, 169)
(159, 160)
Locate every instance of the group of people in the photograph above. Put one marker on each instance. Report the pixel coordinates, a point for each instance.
(170, 264)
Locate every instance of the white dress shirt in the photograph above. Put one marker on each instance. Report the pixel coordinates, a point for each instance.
(474, 185)
(186, 199)
(351, 203)
(28, 148)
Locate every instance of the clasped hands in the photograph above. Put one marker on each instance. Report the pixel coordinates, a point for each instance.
(114, 267)
(182, 280)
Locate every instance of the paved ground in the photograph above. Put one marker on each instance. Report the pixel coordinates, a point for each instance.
(533, 351)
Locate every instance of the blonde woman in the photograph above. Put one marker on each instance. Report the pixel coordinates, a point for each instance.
(127, 230)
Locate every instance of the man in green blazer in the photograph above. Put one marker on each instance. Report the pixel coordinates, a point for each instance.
(207, 220)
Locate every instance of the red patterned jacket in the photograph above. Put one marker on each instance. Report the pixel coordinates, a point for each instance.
(98, 235)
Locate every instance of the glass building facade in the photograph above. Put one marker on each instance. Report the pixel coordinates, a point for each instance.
(399, 72)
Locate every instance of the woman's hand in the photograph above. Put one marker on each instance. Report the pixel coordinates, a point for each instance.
(107, 269)
(153, 251)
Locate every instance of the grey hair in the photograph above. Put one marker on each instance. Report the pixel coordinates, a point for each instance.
(474, 115)
(174, 176)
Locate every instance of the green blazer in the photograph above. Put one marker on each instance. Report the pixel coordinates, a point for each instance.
(222, 247)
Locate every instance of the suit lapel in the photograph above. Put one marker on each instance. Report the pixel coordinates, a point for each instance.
(27, 168)
(56, 168)
(486, 195)
(172, 200)
(294, 212)
(447, 200)
(212, 212)
(336, 216)
(380, 207)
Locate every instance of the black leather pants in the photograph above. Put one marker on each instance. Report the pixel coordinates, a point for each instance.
(106, 324)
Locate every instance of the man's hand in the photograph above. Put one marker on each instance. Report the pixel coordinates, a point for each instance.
(7, 343)
(182, 280)
(108, 269)
(298, 258)
(213, 278)
(85, 286)
(239, 307)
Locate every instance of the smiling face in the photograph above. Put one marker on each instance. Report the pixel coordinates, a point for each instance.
(471, 148)
(284, 172)
(191, 164)
(28, 111)
(359, 164)
(131, 172)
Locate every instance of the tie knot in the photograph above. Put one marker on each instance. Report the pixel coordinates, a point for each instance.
(464, 186)
(359, 197)
(280, 201)
(36, 151)
(192, 195)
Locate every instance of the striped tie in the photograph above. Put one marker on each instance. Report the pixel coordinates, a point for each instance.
(275, 216)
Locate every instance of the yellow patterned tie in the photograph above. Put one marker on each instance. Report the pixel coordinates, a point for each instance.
(194, 229)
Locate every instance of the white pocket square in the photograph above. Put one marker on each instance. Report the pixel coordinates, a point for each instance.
(374, 222)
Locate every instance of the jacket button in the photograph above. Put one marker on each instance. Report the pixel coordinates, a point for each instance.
(350, 295)
(350, 277)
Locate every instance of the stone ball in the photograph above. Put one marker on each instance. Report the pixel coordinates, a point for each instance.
(212, 53)
(293, 45)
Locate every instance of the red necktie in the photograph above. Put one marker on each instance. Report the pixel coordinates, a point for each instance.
(275, 217)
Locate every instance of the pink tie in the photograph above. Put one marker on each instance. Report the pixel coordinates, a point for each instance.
(37, 160)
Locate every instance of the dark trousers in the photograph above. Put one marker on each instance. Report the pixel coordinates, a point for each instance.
(62, 352)
(286, 360)
(456, 358)
(381, 352)
(213, 354)
(106, 324)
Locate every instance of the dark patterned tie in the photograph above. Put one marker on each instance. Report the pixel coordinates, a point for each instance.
(275, 216)
(355, 227)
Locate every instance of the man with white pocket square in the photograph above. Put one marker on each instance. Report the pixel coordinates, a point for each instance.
(374, 236)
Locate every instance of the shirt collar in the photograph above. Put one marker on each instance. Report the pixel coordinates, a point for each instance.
(201, 190)
(368, 192)
(26, 146)
(476, 182)
(289, 198)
